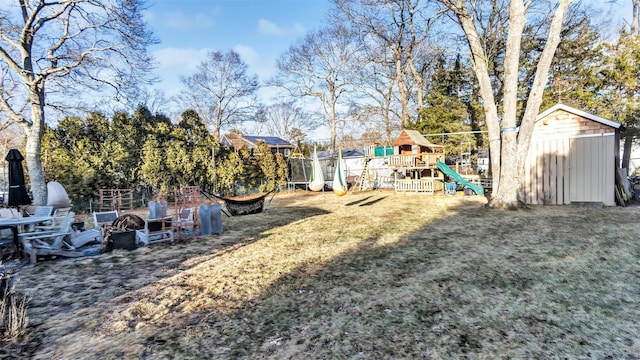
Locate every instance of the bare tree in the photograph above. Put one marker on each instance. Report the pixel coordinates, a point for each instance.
(284, 120)
(635, 21)
(509, 143)
(401, 27)
(50, 51)
(321, 65)
(221, 91)
(379, 104)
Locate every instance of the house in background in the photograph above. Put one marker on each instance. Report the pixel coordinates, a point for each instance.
(276, 144)
(573, 158)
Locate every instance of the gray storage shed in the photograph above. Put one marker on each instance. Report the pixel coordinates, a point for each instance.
(573, 158)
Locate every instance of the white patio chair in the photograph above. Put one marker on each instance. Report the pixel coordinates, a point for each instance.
(155, 230)
(41, 210)
(50, 242)
(103, 219)
(186, 221)
(59, 216)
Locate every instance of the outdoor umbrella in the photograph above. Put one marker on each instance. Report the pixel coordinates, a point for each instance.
(17, 189)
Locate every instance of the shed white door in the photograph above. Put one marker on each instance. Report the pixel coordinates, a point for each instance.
(592, 167)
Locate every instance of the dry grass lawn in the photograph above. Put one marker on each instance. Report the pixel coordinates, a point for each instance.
(369, 276)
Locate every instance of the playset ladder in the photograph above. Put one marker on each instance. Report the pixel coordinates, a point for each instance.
(363, 177)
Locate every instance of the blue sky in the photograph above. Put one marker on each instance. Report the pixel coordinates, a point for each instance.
(259, 30)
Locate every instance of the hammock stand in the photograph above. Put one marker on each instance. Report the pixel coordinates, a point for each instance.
(245, 206)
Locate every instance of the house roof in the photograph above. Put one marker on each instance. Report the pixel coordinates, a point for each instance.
(416, 138)
(237, 141)
(272, 141)
(346, 153)
(580, 113)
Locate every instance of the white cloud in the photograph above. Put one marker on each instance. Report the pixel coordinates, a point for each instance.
(321, 134)
(256, 63)
(185, 60)
(175, 62)
(182, 21)
(175, 19)
(269, 28)
(247, 54)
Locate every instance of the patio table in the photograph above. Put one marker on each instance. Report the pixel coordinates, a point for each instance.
(16, 224)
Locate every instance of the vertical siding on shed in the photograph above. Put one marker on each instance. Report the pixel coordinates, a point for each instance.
(565, 168)
(547, 172)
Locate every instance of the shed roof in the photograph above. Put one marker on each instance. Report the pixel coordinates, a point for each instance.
(415, 138)
(580, 113)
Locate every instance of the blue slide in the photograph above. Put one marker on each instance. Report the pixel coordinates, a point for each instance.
(479, 190)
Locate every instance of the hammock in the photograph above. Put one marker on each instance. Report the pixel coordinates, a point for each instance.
(245, 206)
(339, 182)
(316, 180)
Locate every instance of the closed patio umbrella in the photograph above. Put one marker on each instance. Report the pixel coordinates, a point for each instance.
(17, 190)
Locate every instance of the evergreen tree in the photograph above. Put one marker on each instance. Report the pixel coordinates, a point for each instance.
(620, 80)
(230, 169)
(153, 171)
(73, 156)
(447, 102)
(190, 155)
(573, 79)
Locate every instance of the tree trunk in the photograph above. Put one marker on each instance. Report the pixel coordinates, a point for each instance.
(333, 126)
(387, 124)
(419, 87)
(402, 93)
(628, 138)
(626, 153)
(506, 194)
(333, 133)
(33, 147)
(635, 21)
(481, 69)
(540, 80)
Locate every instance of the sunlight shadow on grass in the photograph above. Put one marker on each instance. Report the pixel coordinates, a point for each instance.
(369, 203)
(358, 201)
(408, 277)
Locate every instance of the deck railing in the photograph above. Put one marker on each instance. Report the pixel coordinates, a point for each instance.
(415, 185)
(486, 183)
(424, 160)
(370, 151)
(403, 160)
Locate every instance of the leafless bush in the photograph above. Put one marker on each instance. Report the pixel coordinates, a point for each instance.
(13, 308)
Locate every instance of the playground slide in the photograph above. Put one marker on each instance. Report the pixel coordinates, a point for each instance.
(479, 190)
